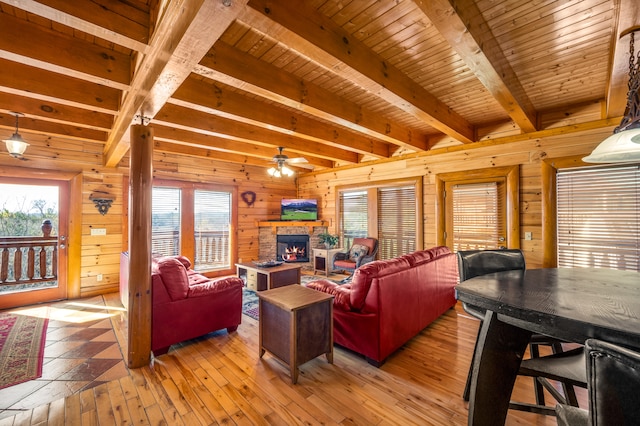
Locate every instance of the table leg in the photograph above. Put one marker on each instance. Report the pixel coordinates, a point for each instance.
(500, 348)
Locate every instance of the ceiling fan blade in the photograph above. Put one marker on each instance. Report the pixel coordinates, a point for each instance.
(297, 160)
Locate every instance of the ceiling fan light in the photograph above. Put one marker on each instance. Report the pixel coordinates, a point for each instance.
(621, 147)
(286, 171)
(16, 145)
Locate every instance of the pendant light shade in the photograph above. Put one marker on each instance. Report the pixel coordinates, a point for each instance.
(15, 144)
(624, 145)
(621, 147)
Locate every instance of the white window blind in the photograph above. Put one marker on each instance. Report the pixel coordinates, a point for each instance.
(396, 221)
(165, 221)
(476, 209)
(598, 216)
(212, 226)
(353, 209)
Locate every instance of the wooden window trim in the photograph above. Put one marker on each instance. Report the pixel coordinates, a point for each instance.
(512, 176)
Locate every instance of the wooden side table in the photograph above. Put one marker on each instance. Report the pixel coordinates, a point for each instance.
(259, 279)
(323, 259)
(296, 325)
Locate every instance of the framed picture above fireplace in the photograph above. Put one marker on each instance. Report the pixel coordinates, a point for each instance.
(298, 209)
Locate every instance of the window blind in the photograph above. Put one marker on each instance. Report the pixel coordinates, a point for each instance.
(598, 217)
(165, 221)
(212, 227)
(353, 210)
(396, 221)
(476, 212)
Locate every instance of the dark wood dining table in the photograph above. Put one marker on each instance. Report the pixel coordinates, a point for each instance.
(572, 304)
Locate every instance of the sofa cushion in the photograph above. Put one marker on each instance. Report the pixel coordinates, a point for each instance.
(341, 293)
(211, 286)
(174, 277)
(365, 274)
(184, 260)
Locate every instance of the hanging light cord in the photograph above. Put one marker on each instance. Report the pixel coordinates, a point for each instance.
(631, 119)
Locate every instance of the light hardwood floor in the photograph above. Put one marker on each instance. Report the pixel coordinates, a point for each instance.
(220, 379)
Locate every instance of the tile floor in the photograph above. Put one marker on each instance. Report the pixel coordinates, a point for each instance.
(81, 352)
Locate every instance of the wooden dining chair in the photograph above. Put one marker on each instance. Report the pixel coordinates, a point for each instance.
(566, 367)
(613, 382)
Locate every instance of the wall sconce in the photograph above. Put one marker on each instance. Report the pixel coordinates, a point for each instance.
(102, 200)
(15, 144)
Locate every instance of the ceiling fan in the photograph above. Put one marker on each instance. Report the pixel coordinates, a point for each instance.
(282, 161)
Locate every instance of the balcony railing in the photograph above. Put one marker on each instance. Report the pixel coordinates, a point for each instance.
(211, 248)
(28, 260)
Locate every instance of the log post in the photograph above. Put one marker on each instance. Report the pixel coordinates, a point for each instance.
(140, 184)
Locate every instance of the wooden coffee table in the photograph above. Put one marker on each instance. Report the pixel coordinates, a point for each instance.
(260, 279)
(296, 325)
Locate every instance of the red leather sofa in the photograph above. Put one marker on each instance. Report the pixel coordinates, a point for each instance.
(388, 302)
(185, 304)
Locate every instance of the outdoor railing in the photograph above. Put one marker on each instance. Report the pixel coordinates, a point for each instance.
(28, 260)
(211, 248)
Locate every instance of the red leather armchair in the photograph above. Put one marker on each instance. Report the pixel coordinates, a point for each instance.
(185, 304)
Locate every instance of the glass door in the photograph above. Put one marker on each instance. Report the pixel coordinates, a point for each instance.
(33, 229)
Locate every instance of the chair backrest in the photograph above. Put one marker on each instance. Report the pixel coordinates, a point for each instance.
(370, 243)
(472, 263)
(613, 379)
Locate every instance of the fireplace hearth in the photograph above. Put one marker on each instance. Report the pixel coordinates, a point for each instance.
(292, 248)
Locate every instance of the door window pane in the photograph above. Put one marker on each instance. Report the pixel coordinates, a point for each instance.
(353, 210)
(396, 221)
(476, 213)
(165, 221)
(212, 226)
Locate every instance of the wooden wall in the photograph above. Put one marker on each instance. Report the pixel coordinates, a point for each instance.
(527, 154)
(100, 255)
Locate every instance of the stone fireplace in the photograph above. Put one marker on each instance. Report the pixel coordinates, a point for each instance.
(272, 232)
(292, 248)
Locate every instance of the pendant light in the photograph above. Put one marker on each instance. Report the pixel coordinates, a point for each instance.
(623, 146)
(15, 144)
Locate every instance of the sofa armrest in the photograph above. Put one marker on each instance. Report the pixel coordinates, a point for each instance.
(341, 293)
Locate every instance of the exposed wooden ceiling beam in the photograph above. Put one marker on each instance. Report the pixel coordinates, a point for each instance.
(82, 60)
(220, 101)
(234, 68)
(201, 122)
(218, 144)
(462, 25)
(628, 16)
(184, 35)
(54, 87)
(313, 35)
(125, 26)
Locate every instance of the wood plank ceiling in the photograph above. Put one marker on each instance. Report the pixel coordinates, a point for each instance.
(337, 82)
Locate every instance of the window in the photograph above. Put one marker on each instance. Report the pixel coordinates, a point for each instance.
(165, 221)
(389, 212)
(354, 223)
(478, 209)
(476, 216)
(212, 226)
(197, 221)
(396, 221)
(598, 217)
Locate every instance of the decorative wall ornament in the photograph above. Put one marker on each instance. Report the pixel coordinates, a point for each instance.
(249, 197)
(102, 200)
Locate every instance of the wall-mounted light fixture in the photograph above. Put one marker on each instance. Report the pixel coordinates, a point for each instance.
(15, 144)
(102, 200)
(623, 146)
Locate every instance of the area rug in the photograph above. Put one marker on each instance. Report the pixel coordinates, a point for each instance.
(250, 298)
(22, 341)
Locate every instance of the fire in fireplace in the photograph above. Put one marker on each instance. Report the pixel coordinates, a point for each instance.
(292, 248)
